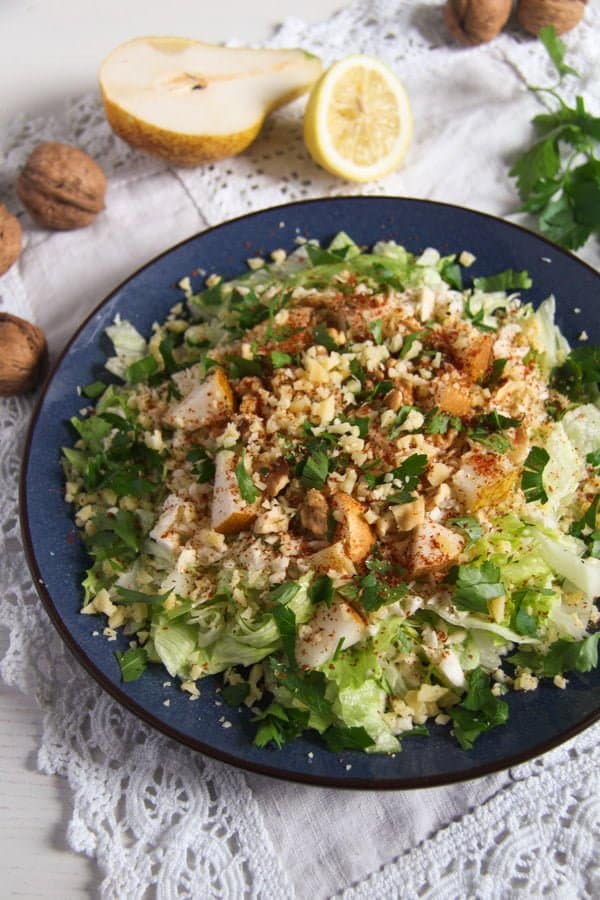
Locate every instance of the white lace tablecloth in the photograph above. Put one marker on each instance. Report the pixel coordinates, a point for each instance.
(164, 821)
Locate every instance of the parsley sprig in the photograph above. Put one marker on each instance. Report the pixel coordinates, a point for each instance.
(558, 177)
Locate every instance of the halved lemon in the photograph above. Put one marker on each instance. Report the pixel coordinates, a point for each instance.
(358, 123)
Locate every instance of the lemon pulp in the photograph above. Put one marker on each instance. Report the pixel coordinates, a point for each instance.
(358, 121)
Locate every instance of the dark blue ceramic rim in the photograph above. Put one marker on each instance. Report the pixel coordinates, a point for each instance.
(538, 721)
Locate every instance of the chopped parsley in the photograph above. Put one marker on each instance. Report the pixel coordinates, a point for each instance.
(532, 482)
(475, 585)
(509, 280)
(235, 694)
(376, 329)
(578, 377)
(203, 465)
(562, 656)
(314, 470)
(338, 738)
(248, 490)
(279, 359)
(321, 590)
(132, 663)
(285, 619)
(478, 712)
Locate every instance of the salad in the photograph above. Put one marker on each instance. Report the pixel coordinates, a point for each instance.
(360, 484)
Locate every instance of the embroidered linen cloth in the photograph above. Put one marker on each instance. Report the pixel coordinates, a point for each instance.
(159, 819)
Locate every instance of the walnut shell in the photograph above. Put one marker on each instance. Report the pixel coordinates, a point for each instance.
(476, 21)
(23, 355)
(533, 15)
(10, 239)
(62, 187)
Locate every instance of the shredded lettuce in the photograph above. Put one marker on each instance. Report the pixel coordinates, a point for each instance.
(545, 336)
(130, 347)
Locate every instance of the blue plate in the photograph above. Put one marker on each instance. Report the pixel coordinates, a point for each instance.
(538, 720)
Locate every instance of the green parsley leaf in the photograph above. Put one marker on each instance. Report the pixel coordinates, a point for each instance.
(401, 417)
(409, 341)
(117, 536)
(235, 694)
(556, 50)
(375, 593)
(408, 473)
(380, 390)
(141, 370)
(582, 189)
(321, 590)
(358, 372)
(469, 526)
(495, 374)
(248, 489)
(480, 711)
(203, 465)
(484, 429)
(279, 726)
(127, 596)
(586, 528)
(376, 329)
(531, 480)
(558, 222)
(525, 601)
(308, 687)
(593, 459)
(93, 390)
(499, 443)
(314, 470)
(578, 377)
(279, 360)
(475, 585)
(495, 421)
(437, 422)
(563, 656)
(238, 367)
(371, 591)
(132, 663)
(509, 280)
(451, 272)
(415, 731)
(92, 431)
(362, 423)
(338, 738)
(320, 257)
(537, 166)
(166, 348)
(321, 336)
(126, 482)
(285, 619)
(283, 593)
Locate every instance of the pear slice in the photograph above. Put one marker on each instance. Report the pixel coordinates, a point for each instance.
(190, 102)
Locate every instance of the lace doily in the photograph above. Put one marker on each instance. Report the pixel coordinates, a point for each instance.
(156, 816)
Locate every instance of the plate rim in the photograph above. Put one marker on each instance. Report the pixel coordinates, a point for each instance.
(346, 782)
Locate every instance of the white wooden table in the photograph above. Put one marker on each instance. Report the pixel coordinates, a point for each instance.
(51, 50)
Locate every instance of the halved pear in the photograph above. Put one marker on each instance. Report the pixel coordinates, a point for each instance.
(190, 102)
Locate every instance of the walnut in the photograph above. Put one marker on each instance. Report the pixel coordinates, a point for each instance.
(476, 21)
(62, 187)
(563, 14)
(10, 239)
(23, 355)
(278, 478)
(314, 513)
